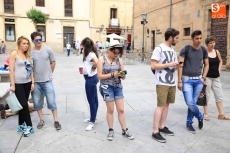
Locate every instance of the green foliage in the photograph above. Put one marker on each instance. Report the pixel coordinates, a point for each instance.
(36, 16)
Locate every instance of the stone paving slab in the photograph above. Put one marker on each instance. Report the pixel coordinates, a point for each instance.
(140, 102)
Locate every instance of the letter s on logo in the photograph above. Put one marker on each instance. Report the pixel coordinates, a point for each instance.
(215, 8)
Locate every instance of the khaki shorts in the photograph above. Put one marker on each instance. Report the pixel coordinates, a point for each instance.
(214, 84)
(165, 95)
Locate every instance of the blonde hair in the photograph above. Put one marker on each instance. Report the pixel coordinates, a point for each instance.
(28, 52)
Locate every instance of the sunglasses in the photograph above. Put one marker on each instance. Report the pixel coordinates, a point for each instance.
(38, 40)
(116, 53)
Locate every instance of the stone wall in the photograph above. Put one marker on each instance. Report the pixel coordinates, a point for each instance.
(185, 14)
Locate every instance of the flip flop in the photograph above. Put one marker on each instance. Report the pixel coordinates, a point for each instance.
(223, 117)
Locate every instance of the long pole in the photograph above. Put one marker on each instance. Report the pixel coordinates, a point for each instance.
(143, 42)
(170, 16)
(133, 27)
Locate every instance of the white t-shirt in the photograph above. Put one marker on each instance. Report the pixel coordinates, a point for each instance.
(68, 46)
(165, 55)
(77, 45)
(87, 66)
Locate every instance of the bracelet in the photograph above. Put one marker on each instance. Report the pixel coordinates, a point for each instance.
(204, 78)
(179, 82)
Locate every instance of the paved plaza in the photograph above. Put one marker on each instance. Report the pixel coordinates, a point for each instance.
(140, 102)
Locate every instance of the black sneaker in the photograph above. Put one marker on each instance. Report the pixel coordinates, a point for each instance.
(191, 129)
(126, 134)
(200, 123)
(57, 125)
(166, 131)
(158, 137)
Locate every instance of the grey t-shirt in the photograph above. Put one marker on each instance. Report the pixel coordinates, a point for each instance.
(42, 61)
(194, 62)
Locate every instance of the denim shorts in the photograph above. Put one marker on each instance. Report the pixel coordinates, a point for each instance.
(46, 88)
(110, 93)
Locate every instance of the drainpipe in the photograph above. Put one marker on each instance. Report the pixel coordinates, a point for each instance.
(170, 17)
(133, 27)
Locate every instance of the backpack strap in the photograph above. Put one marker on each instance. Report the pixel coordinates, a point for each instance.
(204, 52)
(186, 51)
(161, 49)
(153, 70)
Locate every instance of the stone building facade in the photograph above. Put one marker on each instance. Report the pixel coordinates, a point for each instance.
(185, 16)
(68, 20)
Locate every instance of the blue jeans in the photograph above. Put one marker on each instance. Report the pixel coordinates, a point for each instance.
(91, 94)
(191, 90)
(41, 88)
(68, 52)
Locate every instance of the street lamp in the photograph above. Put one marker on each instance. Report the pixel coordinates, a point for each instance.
(144, 21)
(101, 28)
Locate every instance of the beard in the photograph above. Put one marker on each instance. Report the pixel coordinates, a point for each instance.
(173, 42)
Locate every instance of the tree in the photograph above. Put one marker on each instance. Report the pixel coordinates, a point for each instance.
(36, 16)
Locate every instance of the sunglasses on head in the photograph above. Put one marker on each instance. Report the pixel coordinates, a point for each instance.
(38, 40)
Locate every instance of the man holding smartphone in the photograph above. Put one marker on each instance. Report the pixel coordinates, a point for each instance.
(191, 79)
(164, 62)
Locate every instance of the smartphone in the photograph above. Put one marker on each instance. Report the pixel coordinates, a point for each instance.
(181, 62)
(123, 72)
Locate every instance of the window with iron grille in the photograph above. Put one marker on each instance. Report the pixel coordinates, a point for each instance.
(68, 8)
(40, 3)
(10, 32)
(187, 31)
(42, 30)
(9, 6)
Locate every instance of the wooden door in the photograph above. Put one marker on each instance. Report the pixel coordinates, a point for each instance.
(219, 31)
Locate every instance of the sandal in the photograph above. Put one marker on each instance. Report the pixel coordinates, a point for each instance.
(223, 117)
(206, 117)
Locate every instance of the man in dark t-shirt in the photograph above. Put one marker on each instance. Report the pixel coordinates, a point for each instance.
(191, 78)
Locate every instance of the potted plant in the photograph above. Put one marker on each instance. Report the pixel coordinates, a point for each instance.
(36, 16)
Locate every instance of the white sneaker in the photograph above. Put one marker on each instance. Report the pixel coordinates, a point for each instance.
(86, 120)
(90, 126)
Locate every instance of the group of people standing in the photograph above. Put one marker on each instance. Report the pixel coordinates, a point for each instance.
(196, 66)
(31, 72)
(76, 46)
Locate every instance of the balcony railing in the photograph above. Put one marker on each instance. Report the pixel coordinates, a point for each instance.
(114, 22)
(68, 12)
(43, 9)
(9, 8)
